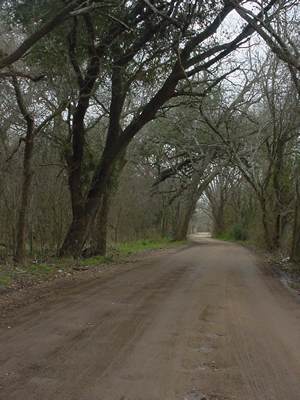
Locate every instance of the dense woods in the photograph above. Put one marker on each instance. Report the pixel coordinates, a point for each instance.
(127, 120)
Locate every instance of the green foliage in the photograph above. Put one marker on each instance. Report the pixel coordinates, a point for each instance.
(40, 269)
(31, 12)
(142, 245)
(39, 272)
(51, 53)
(96, 260)
(224, 236)
(237, 232)
(5, 280)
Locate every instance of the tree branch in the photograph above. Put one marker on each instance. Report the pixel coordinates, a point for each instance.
(44, 30)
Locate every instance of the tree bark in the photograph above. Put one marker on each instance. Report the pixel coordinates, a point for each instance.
(83, 213)
(265, 224)
(42, 31)
(20, 254)
(86, 210)
(184, 221)
(219, 224)
(20, 251)
(278, 187)
(99, 237)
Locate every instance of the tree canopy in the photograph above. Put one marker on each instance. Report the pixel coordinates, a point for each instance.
(111, 107)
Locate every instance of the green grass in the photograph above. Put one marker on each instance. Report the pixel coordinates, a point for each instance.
(5, 280)
(236, 233)
(125, 249)
(294, 285)
(229, 238)
(96, 260)
(44, 271)
(40, 269)
(226, 237)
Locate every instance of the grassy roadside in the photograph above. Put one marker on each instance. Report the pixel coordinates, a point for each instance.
(18, 277)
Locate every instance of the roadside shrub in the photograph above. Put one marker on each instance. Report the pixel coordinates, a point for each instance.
(238, 232)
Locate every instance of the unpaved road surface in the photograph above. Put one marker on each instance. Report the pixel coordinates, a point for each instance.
(200, 322)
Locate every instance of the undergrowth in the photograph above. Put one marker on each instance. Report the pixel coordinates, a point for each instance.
(42, 271)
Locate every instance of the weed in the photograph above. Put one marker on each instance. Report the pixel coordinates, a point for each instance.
(5, 280)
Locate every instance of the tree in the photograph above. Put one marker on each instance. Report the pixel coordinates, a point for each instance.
(274, 31)
(156, 94)
(267, 113)
(31, 132)
(195, 52)
(44, 29)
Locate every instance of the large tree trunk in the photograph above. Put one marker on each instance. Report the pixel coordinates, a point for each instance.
(183, 224)
(76, 235)
(277, 230)
(85, 209)
(219, 223)
(266, 224)
(278, 193)
(20, 254)
(164, 221)
(99, 237)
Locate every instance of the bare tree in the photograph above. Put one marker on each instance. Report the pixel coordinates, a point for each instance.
(31, 132)
(274, 31)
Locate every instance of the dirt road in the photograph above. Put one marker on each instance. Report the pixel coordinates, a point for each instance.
(200, 322)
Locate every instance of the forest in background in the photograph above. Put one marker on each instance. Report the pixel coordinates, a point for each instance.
(119, 119)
